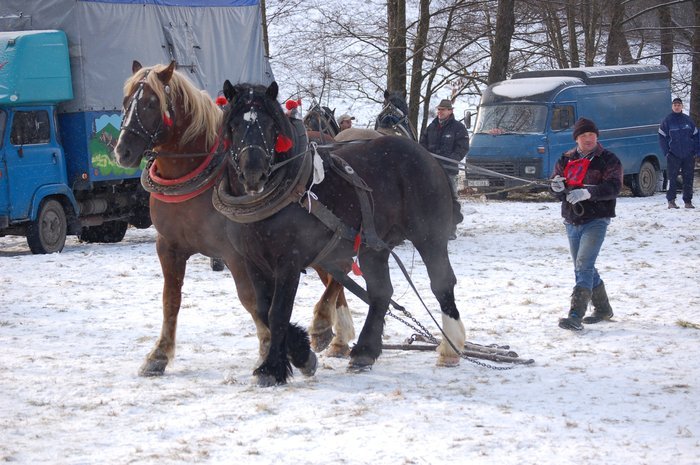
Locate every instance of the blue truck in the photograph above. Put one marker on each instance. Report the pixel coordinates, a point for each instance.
(56, 173)
(525, 123)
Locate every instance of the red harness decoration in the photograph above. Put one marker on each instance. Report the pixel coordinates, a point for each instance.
(153, 173)
(575, 171)
(356, 247)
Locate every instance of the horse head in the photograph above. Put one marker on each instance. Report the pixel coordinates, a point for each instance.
(321, 119)
(162, 108)
(257, 131)
(394, 115)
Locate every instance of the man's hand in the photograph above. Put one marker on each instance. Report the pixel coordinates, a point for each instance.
(578, 195)
(558, 183)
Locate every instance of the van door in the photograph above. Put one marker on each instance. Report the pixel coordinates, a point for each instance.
(560, 134)
(33, 158)
(4, 187)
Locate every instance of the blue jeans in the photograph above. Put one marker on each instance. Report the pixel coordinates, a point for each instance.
(585, 241)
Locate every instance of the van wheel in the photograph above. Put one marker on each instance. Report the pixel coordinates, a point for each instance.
(108, 232)
(47, 234)
(645, 182)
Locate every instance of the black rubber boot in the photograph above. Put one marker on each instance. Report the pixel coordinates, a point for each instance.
(601, 306)
(580, 298)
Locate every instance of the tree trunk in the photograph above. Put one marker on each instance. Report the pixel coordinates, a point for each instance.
(266, 39)
(695, 79)
(396, 56)
(505, 26)
(419, 44)
(665, 24)
(574, 57)
(618, 49)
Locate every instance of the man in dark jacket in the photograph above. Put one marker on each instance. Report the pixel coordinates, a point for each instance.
(587, 179)
(680, 142)
(447, 137)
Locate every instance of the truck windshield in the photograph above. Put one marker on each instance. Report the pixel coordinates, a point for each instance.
(511, 119)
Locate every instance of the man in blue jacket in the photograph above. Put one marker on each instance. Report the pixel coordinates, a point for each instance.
(679, 140)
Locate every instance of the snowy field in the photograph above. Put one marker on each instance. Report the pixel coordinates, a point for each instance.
(76, 326)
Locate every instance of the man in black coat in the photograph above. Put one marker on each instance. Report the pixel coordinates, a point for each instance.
(447, 137)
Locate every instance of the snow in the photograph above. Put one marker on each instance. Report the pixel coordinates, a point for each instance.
(75, 327)
(527, 87)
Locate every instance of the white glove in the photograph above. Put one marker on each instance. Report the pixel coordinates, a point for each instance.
(558, 183)
(578, 195)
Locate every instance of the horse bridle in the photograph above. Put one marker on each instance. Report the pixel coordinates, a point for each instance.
(141, 131)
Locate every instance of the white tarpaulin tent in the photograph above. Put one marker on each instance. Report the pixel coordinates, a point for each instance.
(212, 40)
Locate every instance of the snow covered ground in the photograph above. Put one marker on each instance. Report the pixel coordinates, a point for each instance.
(75, 327)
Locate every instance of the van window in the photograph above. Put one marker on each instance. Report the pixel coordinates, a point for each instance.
(511, 119)
(30, 127)
(562, 118)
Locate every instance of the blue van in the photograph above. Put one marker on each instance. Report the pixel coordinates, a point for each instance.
(525, 123)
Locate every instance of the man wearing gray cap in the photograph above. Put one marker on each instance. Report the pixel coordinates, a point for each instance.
(447, 137)
(345, 121)
(680, 142)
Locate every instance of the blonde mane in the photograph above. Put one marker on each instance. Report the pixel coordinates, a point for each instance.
(205, 115)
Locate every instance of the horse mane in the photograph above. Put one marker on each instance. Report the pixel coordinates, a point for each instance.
(205, 115)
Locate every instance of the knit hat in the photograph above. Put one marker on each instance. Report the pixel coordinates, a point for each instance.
(445, 103)
(583, 125)
(345, 117)
(677, 100)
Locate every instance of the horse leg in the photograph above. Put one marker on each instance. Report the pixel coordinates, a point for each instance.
(320, 330)
(173, 264)
(246, 295)
(442, 283)
(288, 343)
(375, 268)
(342, 324)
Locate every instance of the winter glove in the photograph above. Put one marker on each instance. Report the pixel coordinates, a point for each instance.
(558, 183)
(578, 195)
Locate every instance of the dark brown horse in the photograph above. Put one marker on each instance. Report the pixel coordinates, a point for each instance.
(286, 216)
(170, 120)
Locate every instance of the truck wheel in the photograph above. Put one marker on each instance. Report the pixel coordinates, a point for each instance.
(141, 219)
(108, 232)
(645, 182)
(47, 234)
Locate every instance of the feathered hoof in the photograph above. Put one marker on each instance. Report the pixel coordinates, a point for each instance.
(155, 367)
(448, 361)
(320, 341)
(266, 380)
(309, 368)
(338, 351)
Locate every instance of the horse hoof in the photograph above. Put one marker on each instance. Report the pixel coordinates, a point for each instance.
(360, 364)
(319, 341)
(448, 361)
(309, 368)
(267, 381)
(152, 368)
(338, 351)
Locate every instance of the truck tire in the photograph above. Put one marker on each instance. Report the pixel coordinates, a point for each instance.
(141, 219)
(108, 232)
(47, 234)
(645, 182)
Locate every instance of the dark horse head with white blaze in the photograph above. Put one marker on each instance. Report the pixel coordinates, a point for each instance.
(260, 134)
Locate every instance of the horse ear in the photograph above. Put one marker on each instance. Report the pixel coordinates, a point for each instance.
(135, 67)
(165, 75)
(386, 94)
(229, 91)
(273, 90)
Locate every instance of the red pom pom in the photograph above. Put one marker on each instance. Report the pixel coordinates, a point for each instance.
(221, 100)
(292, 104)
(283, 144)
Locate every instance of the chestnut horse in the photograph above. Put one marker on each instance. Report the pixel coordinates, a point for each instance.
(175, 124)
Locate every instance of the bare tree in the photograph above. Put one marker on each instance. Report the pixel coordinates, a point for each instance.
(396, 56)
(618, 49)
(505, 27)
(695, 86)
